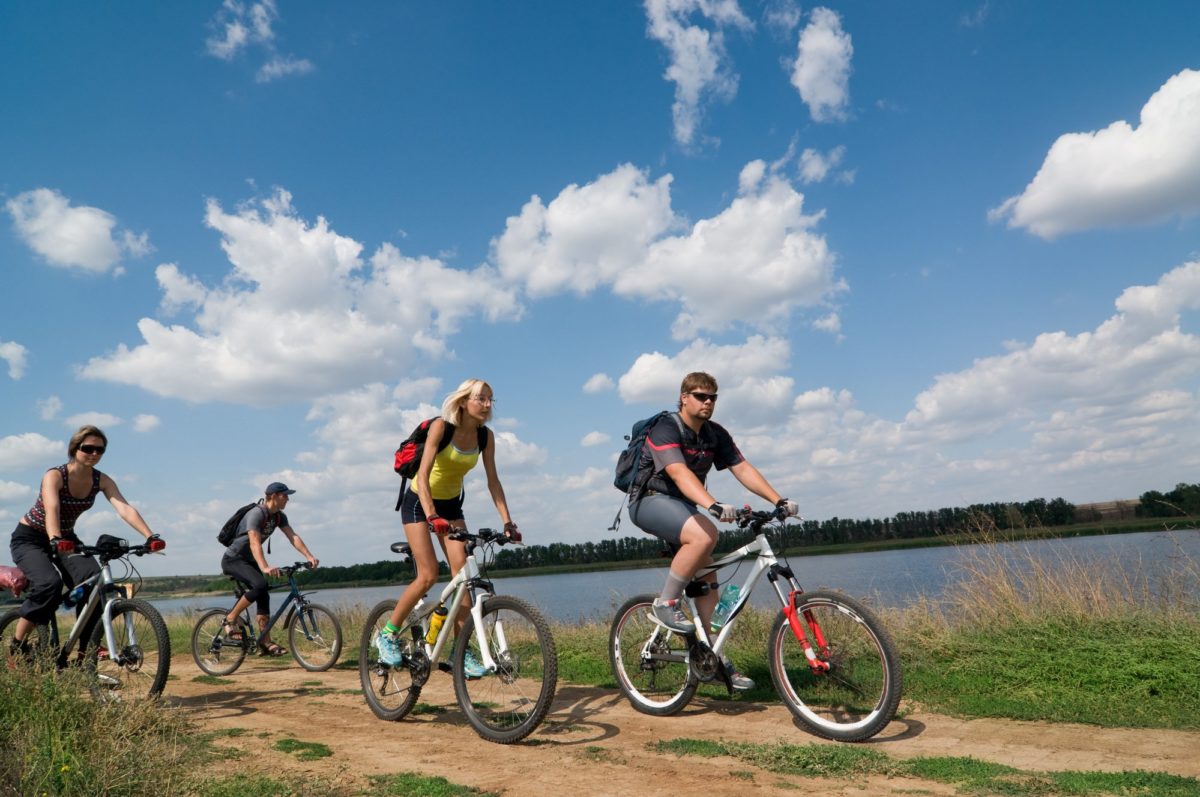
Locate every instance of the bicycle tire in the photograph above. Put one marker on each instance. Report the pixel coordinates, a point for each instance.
(315, 637)
(390, 691)
(650, 662)
(213, 651)
(139, 669)
(507, 705)
(860, 693)
(38, 638)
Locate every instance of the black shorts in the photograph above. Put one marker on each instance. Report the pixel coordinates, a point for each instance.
(447, 508)
(663, 516)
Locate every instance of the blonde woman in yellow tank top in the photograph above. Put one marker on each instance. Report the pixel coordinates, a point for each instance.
(432, 504)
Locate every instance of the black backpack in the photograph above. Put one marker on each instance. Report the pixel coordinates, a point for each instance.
(408, 455)
(626, 478)
(229, 530)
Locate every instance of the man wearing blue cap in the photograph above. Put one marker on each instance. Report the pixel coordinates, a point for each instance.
(245, 561)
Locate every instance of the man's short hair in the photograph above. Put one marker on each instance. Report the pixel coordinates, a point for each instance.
(697, 380)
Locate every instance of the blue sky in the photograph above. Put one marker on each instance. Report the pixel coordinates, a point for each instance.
(935, 254)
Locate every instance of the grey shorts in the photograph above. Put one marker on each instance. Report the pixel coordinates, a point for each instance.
(663, 516)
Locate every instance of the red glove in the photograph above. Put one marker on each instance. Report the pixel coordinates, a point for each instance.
(513, 533)
(156, 543)
(438, 524)
(62, 546)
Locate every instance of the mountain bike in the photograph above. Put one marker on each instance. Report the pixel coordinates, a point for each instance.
(831, 661)
(508, 635)
(123, 642)
(314, 633)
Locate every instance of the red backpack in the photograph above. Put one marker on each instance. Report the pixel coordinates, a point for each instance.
(408, 455)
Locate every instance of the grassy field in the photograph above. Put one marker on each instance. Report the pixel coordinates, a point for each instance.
(1025, 638)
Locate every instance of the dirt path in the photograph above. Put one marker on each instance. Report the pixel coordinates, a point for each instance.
(593, 743)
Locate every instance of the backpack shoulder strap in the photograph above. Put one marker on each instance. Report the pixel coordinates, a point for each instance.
(483, 438)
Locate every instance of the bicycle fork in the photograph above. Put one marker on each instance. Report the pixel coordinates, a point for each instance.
(815, 662)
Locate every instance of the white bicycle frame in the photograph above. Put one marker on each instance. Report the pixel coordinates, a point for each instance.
(451, 597)
(99, 592)
(764, 559)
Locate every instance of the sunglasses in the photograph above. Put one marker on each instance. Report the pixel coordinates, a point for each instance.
(703, 398)
(92, 449)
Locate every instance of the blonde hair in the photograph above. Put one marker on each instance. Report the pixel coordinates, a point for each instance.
(452, 407)
(83, 434)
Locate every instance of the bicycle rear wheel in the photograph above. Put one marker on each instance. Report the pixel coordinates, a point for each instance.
(215, 653)
(506, 705)
(315, 637)
(857, 696)
(138, 668)
(649, 662)
(391, 691)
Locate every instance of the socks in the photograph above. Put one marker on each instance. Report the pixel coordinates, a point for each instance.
(390, 629)
(673, 589)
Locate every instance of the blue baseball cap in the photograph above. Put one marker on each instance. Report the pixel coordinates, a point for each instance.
(278, 487)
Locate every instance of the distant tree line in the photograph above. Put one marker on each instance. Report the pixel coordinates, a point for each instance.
(1183, 501)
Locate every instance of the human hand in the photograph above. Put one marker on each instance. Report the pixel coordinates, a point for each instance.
(726, 513)
(787, 508)
(156, 543)
(512, 532)
(271, 571)
(62, 546)
(438, 524)
(312, 562)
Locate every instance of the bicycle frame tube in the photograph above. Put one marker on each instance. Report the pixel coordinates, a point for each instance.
(292, 596)
(98, 582)
(760, 548)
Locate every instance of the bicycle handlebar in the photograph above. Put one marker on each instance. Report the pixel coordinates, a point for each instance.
(288, 570)
(118, 550)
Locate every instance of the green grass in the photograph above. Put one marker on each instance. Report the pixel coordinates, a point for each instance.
(411, 784)
(304, 751)
(967, 775)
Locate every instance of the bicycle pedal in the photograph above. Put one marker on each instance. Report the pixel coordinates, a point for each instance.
(445, 666)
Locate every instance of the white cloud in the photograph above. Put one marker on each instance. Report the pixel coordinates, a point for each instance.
(300, 315)
(13, 353)
(698, 62)
(976, 18)
(594, 439)
(49, 408)
(73, 237)
(782, 16)
(12, 491)
(598, 383)
(28, 450)
(101, 419)
(282, 66)
(146, 423)
(239, 27)
(424, 389)
(756, 261)
(815, 167)
(1119, 175)
(821, 72)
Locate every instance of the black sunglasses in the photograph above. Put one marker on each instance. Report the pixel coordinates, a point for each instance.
(703, 397)
(92, 449)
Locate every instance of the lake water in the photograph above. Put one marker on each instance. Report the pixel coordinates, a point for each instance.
(888, 578)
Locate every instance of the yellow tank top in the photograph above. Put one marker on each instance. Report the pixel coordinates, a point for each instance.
(449, 467)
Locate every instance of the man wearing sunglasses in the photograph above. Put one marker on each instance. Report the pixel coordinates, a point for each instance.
(675, 504)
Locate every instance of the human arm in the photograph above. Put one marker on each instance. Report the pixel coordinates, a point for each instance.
(52, 482)
(497, 489)
(256, 550)
(298, 544)
(754, 481)
(124, 509)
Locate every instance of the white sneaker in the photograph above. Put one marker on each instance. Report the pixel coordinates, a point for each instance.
(669, 615)
(390, 652)
(739, 682)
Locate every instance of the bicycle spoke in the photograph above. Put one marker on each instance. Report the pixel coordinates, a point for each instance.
(649, 662)
(391, 692)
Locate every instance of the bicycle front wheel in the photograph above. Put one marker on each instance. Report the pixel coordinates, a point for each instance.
(852, 689)
(390, 690)
(506, 705)
(214, 651)
(315, 637)
(649, 662)
(139, 665)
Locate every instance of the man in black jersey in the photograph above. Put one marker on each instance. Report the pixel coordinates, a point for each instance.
(679, 453)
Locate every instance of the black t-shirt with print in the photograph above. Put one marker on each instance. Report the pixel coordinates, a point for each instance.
(670, 442)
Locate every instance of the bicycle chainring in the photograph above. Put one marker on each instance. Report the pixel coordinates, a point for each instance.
(706, 665)
(420, 666)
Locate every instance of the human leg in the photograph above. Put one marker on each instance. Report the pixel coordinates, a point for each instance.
(30, 551)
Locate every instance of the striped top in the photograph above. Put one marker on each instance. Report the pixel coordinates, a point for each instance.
(69, 507)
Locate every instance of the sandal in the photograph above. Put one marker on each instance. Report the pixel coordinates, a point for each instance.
(232, 633)
(271, 649)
